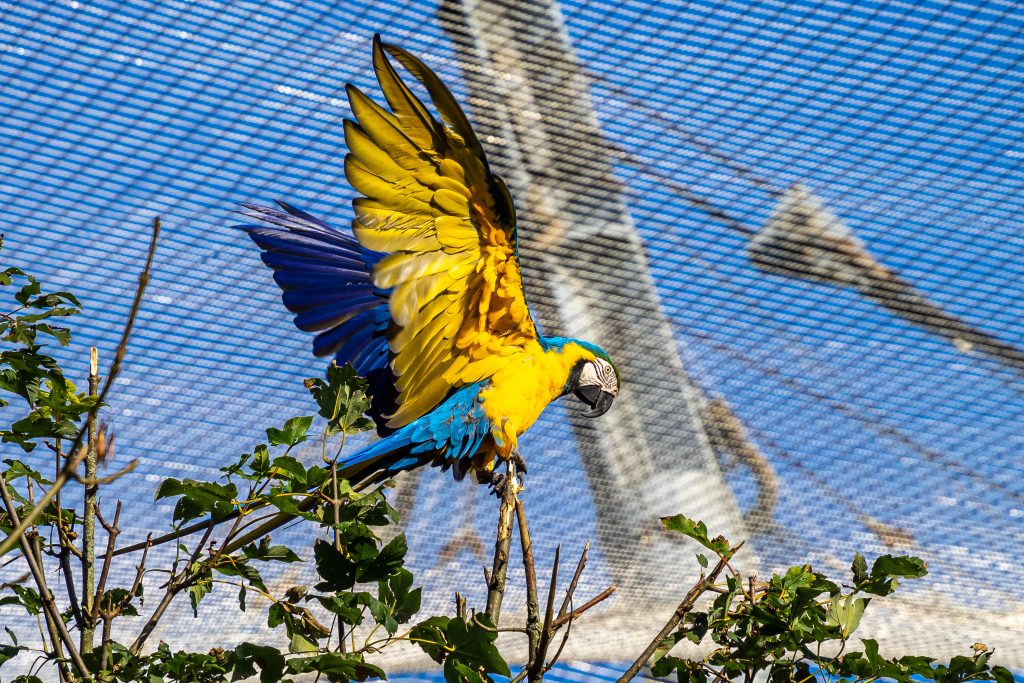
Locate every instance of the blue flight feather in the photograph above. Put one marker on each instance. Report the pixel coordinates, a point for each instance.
(327, 278)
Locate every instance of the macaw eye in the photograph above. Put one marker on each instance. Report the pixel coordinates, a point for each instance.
(600, 373)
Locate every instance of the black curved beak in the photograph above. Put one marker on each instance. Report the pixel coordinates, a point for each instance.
(599, 401)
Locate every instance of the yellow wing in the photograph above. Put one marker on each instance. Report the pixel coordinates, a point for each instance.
(447, 226)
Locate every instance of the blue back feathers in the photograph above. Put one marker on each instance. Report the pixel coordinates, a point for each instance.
(447, 437)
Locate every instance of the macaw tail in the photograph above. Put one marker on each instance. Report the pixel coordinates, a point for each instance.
(327, 282)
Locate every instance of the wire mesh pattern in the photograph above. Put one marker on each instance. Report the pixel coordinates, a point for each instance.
(798, 222)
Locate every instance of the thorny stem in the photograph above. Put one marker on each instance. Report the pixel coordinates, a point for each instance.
(73, 459)
(681, 611)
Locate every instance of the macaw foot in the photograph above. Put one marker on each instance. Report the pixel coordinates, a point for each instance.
(519, 462)
(498, 483)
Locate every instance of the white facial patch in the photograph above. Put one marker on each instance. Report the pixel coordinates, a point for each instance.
(600, 372)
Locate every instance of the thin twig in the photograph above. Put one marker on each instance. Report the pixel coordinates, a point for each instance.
(175, 585)
(140, 572)
(502, 544)
(32, 536)
(69, 583)
(61, 634)
(475, 618)
(460, 605)
(533, 626)
(576, 613)
(681, 611)
(108, 621)
(112, 532)
(115, 369)
(575, 580)
(561, 646)
(548, 630)
(175, 535)
(110, 478)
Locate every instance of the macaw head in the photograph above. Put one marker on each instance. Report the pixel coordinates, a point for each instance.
(595, 381)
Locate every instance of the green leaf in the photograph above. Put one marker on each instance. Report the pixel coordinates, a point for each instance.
(846, 614)
(261, 459)
(859, 568)
(905, 566)
(8, 652)
(29, 598)
(702, 560)
(885, 573)
(398, 591)
(337, 667)
(430, 636)
(389, 561)
(198, 498)
(698, 531)
(197, 591)
(663, 666)
(294, 432)
(474, 645)
(235, 566)
(61, 334)
(269, 659)
(381, 614)
(347, 606)
(270, 553)
(300, 644)
(28, 291)
(1002, 675)
(342, 399)
(287, 468)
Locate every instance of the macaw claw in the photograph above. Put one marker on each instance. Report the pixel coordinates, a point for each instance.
(498, 483)
(519, 462)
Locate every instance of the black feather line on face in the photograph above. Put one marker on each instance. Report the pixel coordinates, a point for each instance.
(574, 377)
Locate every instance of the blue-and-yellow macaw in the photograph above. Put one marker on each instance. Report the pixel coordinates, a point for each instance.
(426, 300)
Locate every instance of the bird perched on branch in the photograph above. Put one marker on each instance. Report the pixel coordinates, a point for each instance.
(424, 297)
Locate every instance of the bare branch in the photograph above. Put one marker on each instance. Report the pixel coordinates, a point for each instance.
(567, 601)
(54, 618)
(576, 613)
(112, 532)
(89, 512)
(110, 478)
(548, 630)
(681, 611)
(533, 626)
(502, 543)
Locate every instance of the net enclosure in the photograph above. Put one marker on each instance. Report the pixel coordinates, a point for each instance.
(795, 225)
